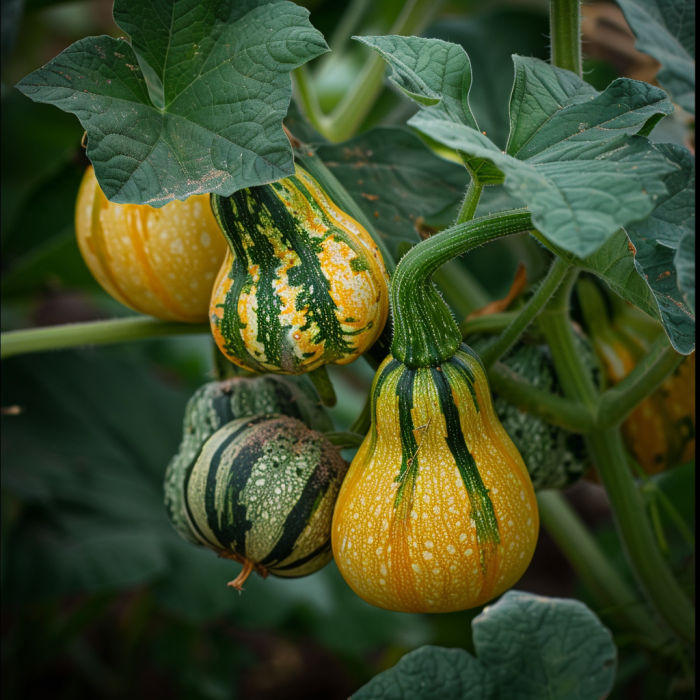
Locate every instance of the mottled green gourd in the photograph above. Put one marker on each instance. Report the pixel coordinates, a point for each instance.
(262, 492)
(217, 403)
(554, 457)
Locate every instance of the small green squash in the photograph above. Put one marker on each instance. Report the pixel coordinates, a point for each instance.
(214, 405)
(262, 492)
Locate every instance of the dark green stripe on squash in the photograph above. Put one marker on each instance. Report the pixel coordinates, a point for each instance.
(217, 403)
(251, 220)
(456, 370)
(263, 489)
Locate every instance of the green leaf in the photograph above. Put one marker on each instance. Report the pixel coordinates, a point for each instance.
(574, 156)
(433, 73)
(491, 38)
(396, 179)
(615, 263)
(541, 647)
(658, 251)
(437, 76)
(431, 673)
(195, 105)
(665, 29)
(684, 261)
(528, 647)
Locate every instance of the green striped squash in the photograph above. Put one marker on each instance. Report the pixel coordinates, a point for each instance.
(437, 512)
(214, 405)
(554, 457)
(302, 285)
(262, 493)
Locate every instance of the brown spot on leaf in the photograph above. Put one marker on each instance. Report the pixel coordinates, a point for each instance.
(631, 248)
(663, 275)
(371, 197)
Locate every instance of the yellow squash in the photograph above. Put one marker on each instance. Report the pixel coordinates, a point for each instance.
(660, 431)
(302, 285)
(437, 512)
(161, 262)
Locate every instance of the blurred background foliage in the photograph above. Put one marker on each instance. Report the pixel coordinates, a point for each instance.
(101, 599)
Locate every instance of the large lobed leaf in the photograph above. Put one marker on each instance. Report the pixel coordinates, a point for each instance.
(665, 29)
(195, 104)
(528, 647)
(577, 158)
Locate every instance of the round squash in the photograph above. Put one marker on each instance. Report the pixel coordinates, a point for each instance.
(437, 512)
(161, 262)
(302, 285)
(214, 405)
(262, 493)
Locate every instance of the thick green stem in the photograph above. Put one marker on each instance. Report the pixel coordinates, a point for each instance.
(346, 26)
(651, 371)
(488, 324)
(350, 112)
(305, 91)
(608, 453)
(324, 386)
(657, 580)
(425, 333)
(471, 201)
(510, 335)
(551, 408)
(594, 568)
(72, 335)
(576, 381)
(565, 28)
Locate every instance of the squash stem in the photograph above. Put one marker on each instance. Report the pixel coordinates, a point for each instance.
(647, 376)
(565, 34)
(324, 386)
(647, 561)
(488, 324)
(608, 453)
(552, 408)
(510, 335)
(347, 116)
(471, 201)
(595, 569)
(425, 333)
(118, 330)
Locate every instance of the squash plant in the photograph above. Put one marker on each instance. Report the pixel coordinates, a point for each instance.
(342, 243)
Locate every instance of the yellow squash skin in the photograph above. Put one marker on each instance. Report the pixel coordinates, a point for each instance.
(437, 512)
(161, 262)
(302, 285)
(660, 431)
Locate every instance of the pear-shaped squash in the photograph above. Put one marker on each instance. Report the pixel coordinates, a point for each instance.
(437, 512)
(302, 285)
(161, 262)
